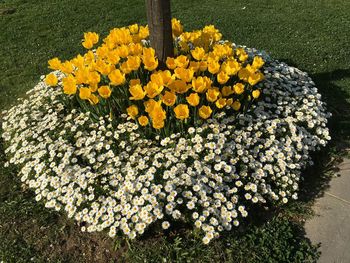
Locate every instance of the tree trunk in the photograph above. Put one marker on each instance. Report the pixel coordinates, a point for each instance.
(159, 23)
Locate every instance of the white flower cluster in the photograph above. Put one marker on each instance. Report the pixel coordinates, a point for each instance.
(107, 176)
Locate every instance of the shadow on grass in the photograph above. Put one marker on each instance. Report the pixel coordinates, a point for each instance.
(317, 177)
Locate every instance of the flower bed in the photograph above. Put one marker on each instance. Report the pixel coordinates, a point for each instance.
(122, 165)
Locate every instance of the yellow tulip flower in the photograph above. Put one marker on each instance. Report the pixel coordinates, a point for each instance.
(84, 93)
(222, 77)
(54, 64)
(116, 77)
(236, 105)
(182, 112)
(169, 98)
(258, 62)
(51, 80)
(212, 94)
(105, 92)
(143, 120)
(238, 88)
(205, 112)
(193, 99)
(153, 90)
(69, 85)
(198, 53)
(220, 103)
(132, 111)
(256, 94)
(136, 92)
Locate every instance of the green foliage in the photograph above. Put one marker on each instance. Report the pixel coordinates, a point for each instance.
(276, 241)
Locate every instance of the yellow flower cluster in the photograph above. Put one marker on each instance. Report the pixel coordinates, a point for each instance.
(205, 76)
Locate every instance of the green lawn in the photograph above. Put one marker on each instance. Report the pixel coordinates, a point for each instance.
(311, 35)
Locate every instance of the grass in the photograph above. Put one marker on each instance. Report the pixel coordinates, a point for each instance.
(311, 35)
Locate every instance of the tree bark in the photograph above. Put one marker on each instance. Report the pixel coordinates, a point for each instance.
(159, 23)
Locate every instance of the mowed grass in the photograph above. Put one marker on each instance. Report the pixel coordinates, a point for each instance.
(311, 35)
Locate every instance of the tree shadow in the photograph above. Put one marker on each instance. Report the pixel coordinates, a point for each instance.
(316, 179)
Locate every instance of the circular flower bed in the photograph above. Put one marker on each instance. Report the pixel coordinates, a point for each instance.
(114, 169)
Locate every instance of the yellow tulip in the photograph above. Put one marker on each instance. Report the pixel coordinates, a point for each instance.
(242, 55)
(158, 115)
(69, 85)
(166, 77)
(255, 78)
(238, 88)
(157, 78)
(244, 74)
(198, 53)
(205, 112)
(179, 86)
(125, 68)
(136, 92)
(89, 57)
(134, 29)
(132, 111)
(151, 63)
(149, 59)
(93, 77)
(135, 82)
(93, 99)
(222, 77)
(78, 61)
(90, 39)
(135, 49)
(158, 124)
(51, 80)
(105, 92)
(184, 46)
(256, 94)
(220, 103)
(84, 93)
(116, 77)
(236, 105)
(201, 84)
(258, 62)
(231, 67)
(194, 66)
(153, 90)
(182, 112)
(113, 57)
(102, 51)
(66, 67)
(133, 62)
(226, 91)
(93, 87)
(151, 104)
(170, 63)
(103, 67)
(212, 94)
(143, 32)
(229, 102)
(169, 98)
(143, 120)
(182, 61)
(176, 26)
(203, 65)
(82, 76)
(54, 64)
(184, 74)
(193, 99)
(213, 67)
(123, 51)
